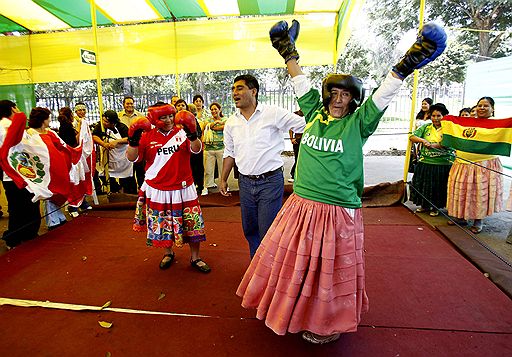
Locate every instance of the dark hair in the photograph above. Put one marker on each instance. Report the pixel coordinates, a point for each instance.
(127, 97)
(37, 116)
(218, 106)
(197, 96)
(181, 101)
(250, 81)
(6, 107)
(490, 100)
(65, 115)
(111, 116)
(440, 107)
(428, 100)
(421, 114)
(468, 110)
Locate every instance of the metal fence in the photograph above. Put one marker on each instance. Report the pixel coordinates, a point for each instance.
(395, 119)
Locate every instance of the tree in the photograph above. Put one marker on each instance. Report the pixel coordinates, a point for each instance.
(490, 18)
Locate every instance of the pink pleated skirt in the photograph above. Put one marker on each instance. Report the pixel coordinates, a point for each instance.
(308, 273)
(475, 191)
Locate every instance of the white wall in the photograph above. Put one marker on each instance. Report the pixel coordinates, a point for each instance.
(491, 78)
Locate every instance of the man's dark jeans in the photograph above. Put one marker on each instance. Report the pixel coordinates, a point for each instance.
(260, 200)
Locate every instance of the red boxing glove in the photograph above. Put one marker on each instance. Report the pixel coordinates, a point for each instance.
(154, 113)
(136, 128)
(188, 121)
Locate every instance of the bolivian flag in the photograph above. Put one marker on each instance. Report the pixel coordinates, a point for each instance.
(480, 136)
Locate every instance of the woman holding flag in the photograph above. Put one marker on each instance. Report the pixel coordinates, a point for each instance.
(475, 185)
(431, 172)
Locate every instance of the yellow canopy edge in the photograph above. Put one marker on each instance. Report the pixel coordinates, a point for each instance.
(150, 49)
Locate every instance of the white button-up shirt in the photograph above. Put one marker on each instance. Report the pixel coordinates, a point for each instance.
(256, 144)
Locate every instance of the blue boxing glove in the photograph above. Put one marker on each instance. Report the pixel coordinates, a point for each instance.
(429, 45)
(283, 39)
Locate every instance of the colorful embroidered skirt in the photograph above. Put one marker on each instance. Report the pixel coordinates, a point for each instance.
(170, 217)
(308, 273)
(475, 191)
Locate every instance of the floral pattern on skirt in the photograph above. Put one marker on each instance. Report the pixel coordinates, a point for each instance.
(170, 217)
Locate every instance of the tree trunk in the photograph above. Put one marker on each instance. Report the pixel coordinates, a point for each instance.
(127, 86)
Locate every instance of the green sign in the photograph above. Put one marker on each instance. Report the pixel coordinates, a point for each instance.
(88, 57)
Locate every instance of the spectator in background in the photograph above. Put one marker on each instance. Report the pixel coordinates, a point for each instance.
(213, 145)
(80, 113)
(127, 116)
(475, 190)
(295, 140)
(113, 140)
(465, 112)
(202, 112)
(174, 99)
(70, 136)
(472, 112)
(196, 159)
(429, 183)
(129, 113)
(423, 115)
(24, 215)
(67, 132)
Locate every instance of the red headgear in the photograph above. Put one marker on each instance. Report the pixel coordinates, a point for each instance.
(154, 113)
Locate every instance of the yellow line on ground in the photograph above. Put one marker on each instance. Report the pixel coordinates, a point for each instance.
(75, 307)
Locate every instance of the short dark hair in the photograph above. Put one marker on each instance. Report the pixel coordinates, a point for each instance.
(127, 97)
(440, 107)
(6, 107)
(181, 101)
(197, 96)
(250, 81)
(467, 110)
(37, 116)
(489, 99)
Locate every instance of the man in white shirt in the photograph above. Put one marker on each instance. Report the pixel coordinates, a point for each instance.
(129, 113)
(254, 139)
(127, 116)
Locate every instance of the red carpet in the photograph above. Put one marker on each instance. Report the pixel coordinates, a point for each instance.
(425, 298)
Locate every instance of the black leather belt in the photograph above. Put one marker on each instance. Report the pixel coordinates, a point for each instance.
(264, 175)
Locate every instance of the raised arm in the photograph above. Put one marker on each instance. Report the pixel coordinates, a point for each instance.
(283, 40)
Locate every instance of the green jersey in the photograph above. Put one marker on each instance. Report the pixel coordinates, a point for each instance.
(330, 161)
(433, 156)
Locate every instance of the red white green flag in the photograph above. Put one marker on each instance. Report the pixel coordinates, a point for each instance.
(479, 136)
(43, 163)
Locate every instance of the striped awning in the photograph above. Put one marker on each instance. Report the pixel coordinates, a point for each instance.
(44, 38)
(51, 15)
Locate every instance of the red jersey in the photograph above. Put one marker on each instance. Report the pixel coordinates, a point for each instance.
(167, 159)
